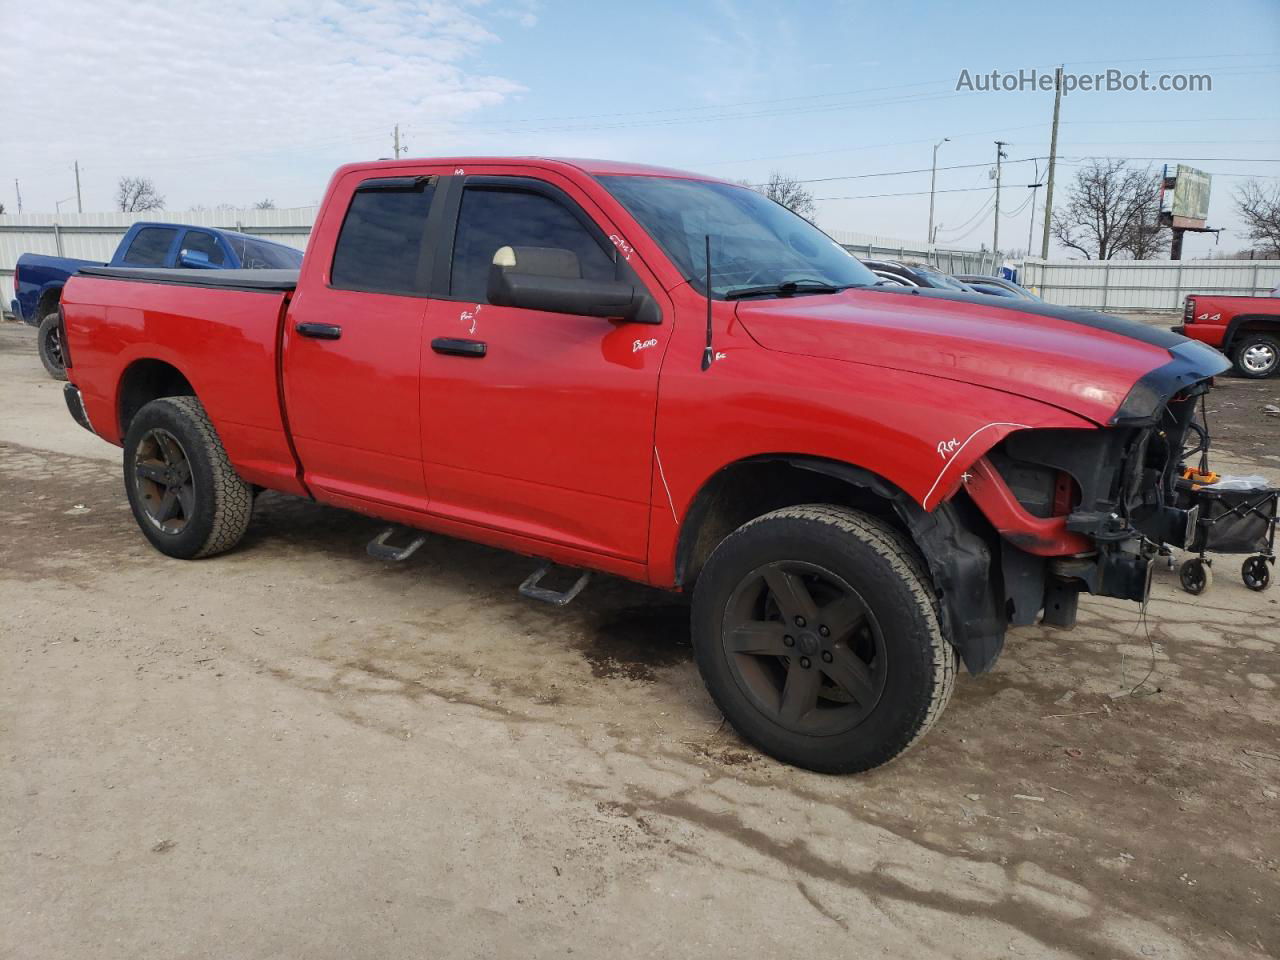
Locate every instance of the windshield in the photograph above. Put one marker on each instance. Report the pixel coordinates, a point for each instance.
(754, 241)
(255, 255)
(940, 280)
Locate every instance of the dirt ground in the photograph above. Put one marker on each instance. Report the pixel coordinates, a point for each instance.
(296, 751)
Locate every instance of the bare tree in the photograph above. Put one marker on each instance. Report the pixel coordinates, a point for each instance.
(791, 193)
(1, 209)
(138, 193)
(267, 204)
(1259, 208)
(1111, 210)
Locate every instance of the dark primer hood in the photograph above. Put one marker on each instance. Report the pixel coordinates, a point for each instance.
(1101, 367)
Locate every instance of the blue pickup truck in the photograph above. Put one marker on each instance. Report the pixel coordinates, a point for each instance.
(38, 279)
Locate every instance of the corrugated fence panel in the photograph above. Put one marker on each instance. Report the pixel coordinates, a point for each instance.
(95, 236)
(1145, 284)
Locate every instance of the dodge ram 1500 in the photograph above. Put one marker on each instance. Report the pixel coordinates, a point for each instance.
(672, 379)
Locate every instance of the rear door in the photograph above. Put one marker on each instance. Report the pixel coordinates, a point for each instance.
(548, 432)
(352, 345)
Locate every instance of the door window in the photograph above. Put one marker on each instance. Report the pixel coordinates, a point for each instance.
(492, 218)
(201, 242)
(150, 246)
(381, 246)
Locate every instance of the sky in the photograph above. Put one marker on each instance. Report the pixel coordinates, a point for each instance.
(235, 101)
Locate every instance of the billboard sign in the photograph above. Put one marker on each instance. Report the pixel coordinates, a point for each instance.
(1190, 207)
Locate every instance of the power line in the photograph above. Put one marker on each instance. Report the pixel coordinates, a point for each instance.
(909, 193)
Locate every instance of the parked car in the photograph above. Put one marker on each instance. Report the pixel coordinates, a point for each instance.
(1246, 329)
(912, 274)
(670, 379)
(997, 287)
(38, 279)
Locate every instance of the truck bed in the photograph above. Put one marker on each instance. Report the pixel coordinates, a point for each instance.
(283, 281)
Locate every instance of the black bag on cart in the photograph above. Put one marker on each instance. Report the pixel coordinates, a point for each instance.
(1234, 521)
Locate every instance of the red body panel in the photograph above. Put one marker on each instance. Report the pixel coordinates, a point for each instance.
(587, 440)
(1213, 319)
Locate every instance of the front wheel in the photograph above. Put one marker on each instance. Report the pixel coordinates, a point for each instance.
(49, 345)
(186, 496)
(1256, 355)
(816, 632)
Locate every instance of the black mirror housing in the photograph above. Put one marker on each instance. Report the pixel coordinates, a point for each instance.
(612, 299)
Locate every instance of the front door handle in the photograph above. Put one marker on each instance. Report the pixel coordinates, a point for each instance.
(319, 331)
(460, 348)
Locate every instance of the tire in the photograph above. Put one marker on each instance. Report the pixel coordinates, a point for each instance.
(1196, 576)
(1256, 355)
(49, 345)
(1255, 573)
(900, 667)
(186, 497)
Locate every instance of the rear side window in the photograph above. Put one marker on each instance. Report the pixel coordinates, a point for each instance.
(201, 242)
(149, 247)
(381, 246)
(494, 218)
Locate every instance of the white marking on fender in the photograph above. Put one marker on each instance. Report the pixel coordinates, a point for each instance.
(459, 172)
(956, 454)
(947, 447)
(722, 356)
(639, 345)
(663, 476)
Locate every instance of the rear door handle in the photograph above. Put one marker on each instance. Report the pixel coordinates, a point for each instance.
(460, 348)
(319, 331)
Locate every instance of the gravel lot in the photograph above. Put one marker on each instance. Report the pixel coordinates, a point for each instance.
(296, 751)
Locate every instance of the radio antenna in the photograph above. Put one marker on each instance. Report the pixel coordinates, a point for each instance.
(708, 354)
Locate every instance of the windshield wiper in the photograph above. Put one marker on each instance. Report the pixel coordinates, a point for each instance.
(788, 289)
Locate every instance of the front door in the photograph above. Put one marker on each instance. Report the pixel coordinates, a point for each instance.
(548, 432)
(352, 346)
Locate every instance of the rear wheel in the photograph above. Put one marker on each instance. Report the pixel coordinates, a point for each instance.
(817, 635)
(49, 345)
(1256, 355)
(185, 495)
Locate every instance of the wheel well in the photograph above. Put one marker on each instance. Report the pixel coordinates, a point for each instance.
(147, 380)
(1252, 323)
(48, 301)
(751, 488)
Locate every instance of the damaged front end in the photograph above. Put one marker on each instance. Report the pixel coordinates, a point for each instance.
(1062, 511)
(1094, 507)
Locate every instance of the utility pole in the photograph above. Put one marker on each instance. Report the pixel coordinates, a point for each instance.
(79, 205)
(933, 182)
(396, 139)
(1053, 158)
(1031, 225)
(18, 190)
(995, 238)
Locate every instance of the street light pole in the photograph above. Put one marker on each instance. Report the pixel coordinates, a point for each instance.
(933, 182)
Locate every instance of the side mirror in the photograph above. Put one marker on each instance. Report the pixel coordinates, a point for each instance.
(548, 278)
(194, 259)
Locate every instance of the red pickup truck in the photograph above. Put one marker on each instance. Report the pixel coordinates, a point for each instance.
(672, 379)
(1246, 329)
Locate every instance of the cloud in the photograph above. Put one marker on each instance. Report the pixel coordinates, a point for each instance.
(189, 93)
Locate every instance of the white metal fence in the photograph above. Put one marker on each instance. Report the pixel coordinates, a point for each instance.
(1145, 284)
(95, 236)
(870, 247)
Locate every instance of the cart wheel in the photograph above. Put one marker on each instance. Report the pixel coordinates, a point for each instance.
(1196, 575)
(1255, 573)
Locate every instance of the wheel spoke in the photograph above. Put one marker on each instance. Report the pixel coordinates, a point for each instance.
(791, 594)
(760, 637)
(799, 694)
(168, 508)
(852, 675)
(842, 616)
(148, 470)
(187, 499)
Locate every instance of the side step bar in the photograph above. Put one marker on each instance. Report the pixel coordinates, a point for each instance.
(558, 598)
(379, 549)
